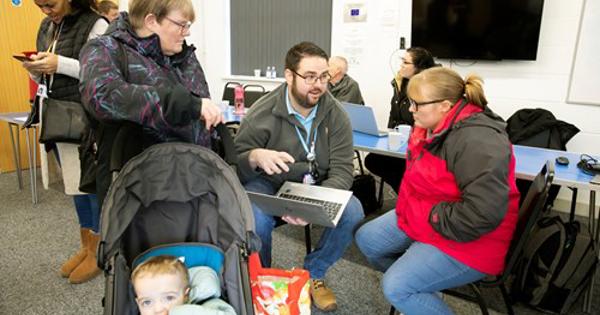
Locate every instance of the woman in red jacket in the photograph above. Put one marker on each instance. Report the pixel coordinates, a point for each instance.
(458, 203)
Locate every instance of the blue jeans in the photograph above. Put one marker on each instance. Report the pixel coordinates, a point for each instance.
(332, 244)
(413, 271)
(86, 207)
(88, 212)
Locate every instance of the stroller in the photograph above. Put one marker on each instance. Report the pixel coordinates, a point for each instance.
(176, 194)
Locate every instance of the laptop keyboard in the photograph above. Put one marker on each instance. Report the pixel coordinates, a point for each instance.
(331, 208)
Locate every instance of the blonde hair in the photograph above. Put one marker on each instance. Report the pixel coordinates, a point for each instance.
(139, 9)
(445, 84)
(160, 265)
(105, 6)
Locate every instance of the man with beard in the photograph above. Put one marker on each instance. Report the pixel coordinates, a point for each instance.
(299, 132)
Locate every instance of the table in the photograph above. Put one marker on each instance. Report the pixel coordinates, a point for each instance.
(16, 121)
(529, 161)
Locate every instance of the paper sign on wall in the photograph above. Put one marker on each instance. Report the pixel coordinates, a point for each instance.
(355, 12)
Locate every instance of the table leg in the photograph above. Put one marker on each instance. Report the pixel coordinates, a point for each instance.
(16, 153)
(593, 224)
(34, 150)
(31, 168)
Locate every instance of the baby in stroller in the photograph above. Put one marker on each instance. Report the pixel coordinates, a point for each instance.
(177, 199)
(162, 285)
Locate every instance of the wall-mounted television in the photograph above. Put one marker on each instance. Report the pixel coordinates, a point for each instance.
(477, 29)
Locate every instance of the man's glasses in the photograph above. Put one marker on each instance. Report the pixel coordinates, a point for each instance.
(184, 26)
(417, 104)
(165, 299)
(311, 79)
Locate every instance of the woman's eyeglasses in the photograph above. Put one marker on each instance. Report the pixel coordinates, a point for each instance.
(311, 79)
(184, 26)
(417, 104)
(406, 62)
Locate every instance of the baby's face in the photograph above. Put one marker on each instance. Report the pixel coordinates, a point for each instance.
(156, 295)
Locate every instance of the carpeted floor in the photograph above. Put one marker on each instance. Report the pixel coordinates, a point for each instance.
(36, 239)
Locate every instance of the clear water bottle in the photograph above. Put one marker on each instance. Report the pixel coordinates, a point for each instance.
(238, 100)
(268, 73)
(273, 72)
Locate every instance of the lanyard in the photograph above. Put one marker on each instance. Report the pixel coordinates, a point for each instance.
(52, 48)
(310, 154)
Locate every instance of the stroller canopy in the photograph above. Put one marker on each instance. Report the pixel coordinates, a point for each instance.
(175, 192)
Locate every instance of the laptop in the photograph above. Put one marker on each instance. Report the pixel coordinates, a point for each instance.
(363, 120)
(315, 204)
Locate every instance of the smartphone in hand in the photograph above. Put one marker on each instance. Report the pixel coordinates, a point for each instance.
(22, 58)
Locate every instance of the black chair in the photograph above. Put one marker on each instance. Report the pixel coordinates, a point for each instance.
(252, 92)
(307, 238)
(530, 212)
(228, 91)
(379, 197)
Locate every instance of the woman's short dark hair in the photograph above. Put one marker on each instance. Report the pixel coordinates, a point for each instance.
(301, 50)
(421, 58)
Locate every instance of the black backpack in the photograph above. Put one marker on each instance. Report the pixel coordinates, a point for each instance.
(363, 187)
(558, 263)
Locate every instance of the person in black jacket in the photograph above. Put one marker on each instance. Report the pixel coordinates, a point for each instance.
(391, 169)
(68, 25)
(142, 76)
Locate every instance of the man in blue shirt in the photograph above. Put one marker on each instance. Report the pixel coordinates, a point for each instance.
(299, 132)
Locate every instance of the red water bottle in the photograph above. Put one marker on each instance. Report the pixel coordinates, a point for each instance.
(238, 100)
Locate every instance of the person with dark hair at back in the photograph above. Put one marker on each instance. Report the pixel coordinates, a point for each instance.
(296, 128)
(143, 73)
(108, 10)
(68, 25)
(458, 204)
(391, 169)
(342, 86)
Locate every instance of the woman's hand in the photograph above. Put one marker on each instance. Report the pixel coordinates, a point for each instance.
(43, 62)
(211, 113)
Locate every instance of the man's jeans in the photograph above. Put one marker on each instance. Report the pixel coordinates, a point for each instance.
(332, 244)
(410, 281)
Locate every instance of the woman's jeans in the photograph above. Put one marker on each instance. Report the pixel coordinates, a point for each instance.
(413, 271)
(86, 207)
(88, 212)
(332, 244)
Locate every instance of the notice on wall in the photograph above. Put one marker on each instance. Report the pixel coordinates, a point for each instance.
(389, 17)
(355, 13)
(353, 47)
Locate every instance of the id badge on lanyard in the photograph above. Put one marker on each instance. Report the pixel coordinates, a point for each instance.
(42, 90)
(312, 175)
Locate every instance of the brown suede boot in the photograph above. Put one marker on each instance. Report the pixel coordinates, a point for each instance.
(75, 260)
(322, 296)
(88, 268)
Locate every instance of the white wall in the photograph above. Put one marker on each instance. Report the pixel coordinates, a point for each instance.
(509, 85)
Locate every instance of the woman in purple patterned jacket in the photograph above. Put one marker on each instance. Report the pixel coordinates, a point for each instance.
(142, 72)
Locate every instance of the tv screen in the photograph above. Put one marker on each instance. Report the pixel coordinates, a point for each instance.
(477, 29)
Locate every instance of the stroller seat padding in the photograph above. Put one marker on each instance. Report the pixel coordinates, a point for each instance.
(194, 254)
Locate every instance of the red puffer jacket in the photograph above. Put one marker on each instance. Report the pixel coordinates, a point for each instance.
(459, 192)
